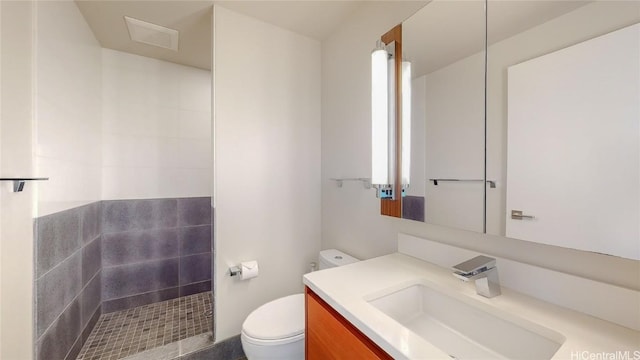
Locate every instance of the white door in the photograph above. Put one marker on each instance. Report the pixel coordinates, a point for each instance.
(574, 146)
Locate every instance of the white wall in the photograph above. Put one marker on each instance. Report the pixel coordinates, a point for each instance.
(60, 115)
(16, 229)
(68, 108)
(122, 127)
(454, 144)
(267, 158)
(351, 219)
(156, 128)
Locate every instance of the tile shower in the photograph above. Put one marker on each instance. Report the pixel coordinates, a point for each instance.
(112, 127)
(120, 334)
(117, 255)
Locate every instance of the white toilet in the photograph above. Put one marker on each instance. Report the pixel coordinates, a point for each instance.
(275, 330)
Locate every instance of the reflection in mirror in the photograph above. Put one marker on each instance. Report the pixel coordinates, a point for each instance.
(562, 113)
(447, 113)
(562, 124)
(387, 128)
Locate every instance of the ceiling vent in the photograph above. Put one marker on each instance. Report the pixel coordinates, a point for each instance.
(152, 34)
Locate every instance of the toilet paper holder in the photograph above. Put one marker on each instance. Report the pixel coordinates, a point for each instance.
(235, 270)
(245, 270)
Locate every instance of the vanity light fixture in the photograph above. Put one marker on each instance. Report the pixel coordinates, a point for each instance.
(382, 176)
(406, 124)
(383, 122)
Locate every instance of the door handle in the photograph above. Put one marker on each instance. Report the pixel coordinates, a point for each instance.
(518, 215)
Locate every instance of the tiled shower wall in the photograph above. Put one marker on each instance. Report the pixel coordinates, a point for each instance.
(113, 255)
(155, 250)
(68, 280)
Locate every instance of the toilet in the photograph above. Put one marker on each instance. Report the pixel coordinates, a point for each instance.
(275, 330)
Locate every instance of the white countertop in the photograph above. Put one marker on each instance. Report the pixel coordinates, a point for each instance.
(346, 288)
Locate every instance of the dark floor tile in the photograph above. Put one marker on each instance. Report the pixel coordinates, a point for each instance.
(230, 349)
(126, 280)
(141, 245)
(195, 240)
(184, 319)
(195, 268)
(194, 211)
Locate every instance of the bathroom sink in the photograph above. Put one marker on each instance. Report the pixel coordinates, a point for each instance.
(466, 328)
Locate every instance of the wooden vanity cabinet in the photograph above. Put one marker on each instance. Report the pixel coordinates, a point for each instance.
(330, 336)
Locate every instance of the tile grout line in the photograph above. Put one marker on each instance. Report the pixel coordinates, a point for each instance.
(68, 257)
(177, 227)
(67, 307)
(154, 260)
(79, 338)
(158, 290)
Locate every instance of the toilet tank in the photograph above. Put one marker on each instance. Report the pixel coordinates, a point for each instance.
(332, 258)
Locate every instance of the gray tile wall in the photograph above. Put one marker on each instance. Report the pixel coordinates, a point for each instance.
(114, 255)
(413, 208)
(154, 250)
(68, 280)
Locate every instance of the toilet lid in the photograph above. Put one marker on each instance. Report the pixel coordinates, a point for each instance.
(280, 318)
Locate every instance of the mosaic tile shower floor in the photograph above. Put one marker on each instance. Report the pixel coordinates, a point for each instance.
(124, 333)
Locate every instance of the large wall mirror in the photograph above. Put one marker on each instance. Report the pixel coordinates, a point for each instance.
(562, 121)
(447, 114)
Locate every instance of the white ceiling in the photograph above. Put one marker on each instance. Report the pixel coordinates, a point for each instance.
(316, 19)
(446, 31)
(191, 18)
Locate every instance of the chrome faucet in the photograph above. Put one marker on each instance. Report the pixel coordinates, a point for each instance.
(483, 270)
